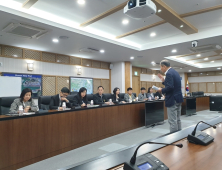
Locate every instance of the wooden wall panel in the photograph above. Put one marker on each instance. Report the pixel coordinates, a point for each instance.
(105, 65)
(49, 57)
(75, 61)
(143, 84)
(96, 64)
(1, 50)
(31, 54)
(211, 88)
(219, 73)
(149, 84)
(86, 62)
(194, 87)
(143, 71)
(12, 52)
(106, 85)
(62, 82)
(62, 59)
(96, 83)
(48, 85)
(127, 75)
(211, 73)
(203, 87)
(219, 87)
(136, 85)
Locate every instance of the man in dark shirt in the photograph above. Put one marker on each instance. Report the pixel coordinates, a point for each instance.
(100, 98)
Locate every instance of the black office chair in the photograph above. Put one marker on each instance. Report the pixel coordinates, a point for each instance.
(108, 95)
(73, 93)
(5, 104)
(43, 102)
(90, 97)
(134, 94)
(121, 95)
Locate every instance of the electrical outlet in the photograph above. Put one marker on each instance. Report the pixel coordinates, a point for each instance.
(1, 64)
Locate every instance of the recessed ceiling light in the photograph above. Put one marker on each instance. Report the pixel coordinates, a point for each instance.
(221, 53)
(190, 70)
(218, 68)
(153, 63)
(201, 73)
(159, 10)
(212, 61)
(198, 55)
(125, 21)
(181, 68)
(174, 51)
(181, 26)
(206, 59)
(153, 34)
(87, 65)
(81, 2)
(55, 40)
(207, 74)
(102, 51)
(131, 58)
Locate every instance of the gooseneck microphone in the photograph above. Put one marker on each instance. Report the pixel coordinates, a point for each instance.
(133, 159)
(194, 131)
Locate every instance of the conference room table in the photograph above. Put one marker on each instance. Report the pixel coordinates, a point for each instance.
(27, 139)
(190, 157)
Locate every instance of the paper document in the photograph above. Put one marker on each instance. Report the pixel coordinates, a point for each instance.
(155, 88)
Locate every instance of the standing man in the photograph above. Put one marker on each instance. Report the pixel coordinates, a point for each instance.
(174, 96)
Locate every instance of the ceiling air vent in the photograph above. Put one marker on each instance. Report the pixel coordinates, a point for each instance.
(205, 48)
(89, 50)
(25, 31)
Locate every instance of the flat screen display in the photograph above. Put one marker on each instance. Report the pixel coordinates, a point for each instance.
(77, 83)
(145, 166)
(201, 137)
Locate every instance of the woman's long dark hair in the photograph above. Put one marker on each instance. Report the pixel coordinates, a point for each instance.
(82, 89)
(24, 91)
(149, 89)
(115, 89)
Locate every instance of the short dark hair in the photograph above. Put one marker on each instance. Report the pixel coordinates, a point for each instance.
(115, 89)
(99, 87)
(65, 90)
(143, 88)
(24, 91)
(165, 63)
(149, 89)
(130, 88)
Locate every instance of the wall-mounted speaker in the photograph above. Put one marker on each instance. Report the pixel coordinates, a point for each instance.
(111, 66)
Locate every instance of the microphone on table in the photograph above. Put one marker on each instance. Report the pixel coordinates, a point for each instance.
(147, 160)
(133, 159)
(201, 138)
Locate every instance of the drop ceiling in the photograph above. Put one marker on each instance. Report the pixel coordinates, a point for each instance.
(64, 18)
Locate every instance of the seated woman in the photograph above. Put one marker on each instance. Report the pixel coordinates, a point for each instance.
(150, 93)
(25, 101)
(116, 96)
(81, 98)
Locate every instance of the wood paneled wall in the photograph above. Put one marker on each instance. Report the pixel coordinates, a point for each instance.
(206, 87)
(201, 74)
(22, 53)
(127, 75)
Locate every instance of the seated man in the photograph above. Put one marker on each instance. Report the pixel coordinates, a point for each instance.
(100, 98)
(57, 100)
(142, 95)
(129, 95)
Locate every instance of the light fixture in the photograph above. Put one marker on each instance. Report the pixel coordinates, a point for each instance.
(181, 68)
(131, 58)
(212, 61)
(15, 55)
(174, 51)
(102, 51)
(159, 10)
(154, 77)
(79, 70)
(218, 68)
(206, 59)
(125, 21)
(87, 65)
(198, 55)
(55, 40)
(27, 4)
(135, 73)
(201, 73)
(153, 63)
(30, 65)
(81, 2)
(153, 34)
(181, 26)
(190, 70)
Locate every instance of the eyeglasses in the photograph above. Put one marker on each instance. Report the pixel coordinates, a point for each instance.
(64, 95)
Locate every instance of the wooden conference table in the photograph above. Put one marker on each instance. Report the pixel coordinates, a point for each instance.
(25, 140)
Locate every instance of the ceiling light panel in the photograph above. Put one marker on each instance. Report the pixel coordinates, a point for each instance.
(28, 4)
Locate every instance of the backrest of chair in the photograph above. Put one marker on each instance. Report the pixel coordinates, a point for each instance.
(108, 95)
(90, 97)
(121, 95)
(5, 104)
(73, 93)
(43, 102)
(134, 94)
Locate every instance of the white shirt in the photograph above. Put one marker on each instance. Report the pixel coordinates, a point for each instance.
(167, 70)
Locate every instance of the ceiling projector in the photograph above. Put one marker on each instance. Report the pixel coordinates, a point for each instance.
(139, 9)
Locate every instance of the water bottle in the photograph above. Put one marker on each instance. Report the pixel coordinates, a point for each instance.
(137, 99)
(64, 106)
(130, 100)
(91, 102)
(20, 110)
(150, 98)
(110, 101)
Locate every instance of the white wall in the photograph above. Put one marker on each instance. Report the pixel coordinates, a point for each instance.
(205, 79)
(20, 66)
(149, 77)
(118, 76)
